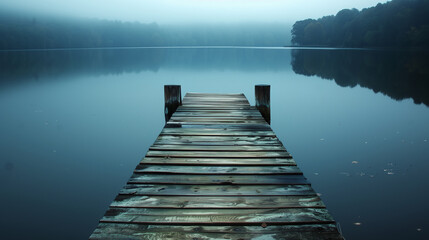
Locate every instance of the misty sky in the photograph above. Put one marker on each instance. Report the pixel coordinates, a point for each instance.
(185, 11)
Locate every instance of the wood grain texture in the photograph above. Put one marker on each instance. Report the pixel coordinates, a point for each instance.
(217, 190)
(129, 231)
(214, 132)
(217, 113)
(175, 147)
(249, 127)
(218, 141)
(210, 122)
(217, 154)
(217, 171)
(218, 216)
(214, 107)
(216, 202)
(217, 119)
(225, 179)
(219, 161)
(186, 110)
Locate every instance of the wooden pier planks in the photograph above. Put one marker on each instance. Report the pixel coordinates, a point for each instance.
(217, 171)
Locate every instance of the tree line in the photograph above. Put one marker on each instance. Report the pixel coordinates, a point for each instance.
(24, 31)
(41, 32)
(397, 23)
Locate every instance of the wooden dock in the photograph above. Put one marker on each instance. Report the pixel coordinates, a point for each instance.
(216, 171)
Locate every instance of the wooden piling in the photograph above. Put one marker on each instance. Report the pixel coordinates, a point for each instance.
(262, 101)
(173, 99)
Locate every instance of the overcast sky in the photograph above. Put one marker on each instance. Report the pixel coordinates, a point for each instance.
(194, 11)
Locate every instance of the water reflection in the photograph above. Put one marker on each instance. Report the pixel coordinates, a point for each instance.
(70, 143)
(36, 65)
(397, 74)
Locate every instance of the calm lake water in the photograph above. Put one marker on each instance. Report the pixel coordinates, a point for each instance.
(74, 124)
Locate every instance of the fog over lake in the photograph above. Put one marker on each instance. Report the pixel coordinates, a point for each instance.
(82, 100)
(190, 11)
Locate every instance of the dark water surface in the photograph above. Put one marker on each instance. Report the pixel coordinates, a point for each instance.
(74, 124)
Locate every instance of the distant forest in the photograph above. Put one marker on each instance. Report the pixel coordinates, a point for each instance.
(397, 23)
(23, 31)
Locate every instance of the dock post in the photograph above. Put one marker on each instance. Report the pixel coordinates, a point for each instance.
(262, 101)
(173, 99)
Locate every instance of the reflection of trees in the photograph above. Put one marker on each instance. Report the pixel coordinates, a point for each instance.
(33, 65)
(24, 66)
(397, 74)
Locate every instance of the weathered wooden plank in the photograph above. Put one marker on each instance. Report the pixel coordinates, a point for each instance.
(217, 119)
(221, 115)
(215, 202)
(205, 106)
(208, 96)
(213, 103)
(193, 111)
(227, 127)
(184, 109)
(217, 163)
(213, 132)
(187, 179)
(209, 122)
(217, 190)
(216, 99)
(214, 95)
(219, 103)
(218, 216)
(195, 139)
(219, 154)
(127, 231)
(218, 141)
(222, 170)
(250, 127)
(214, 107)
(220, 161)
(209, 106)
(212, 121)
(173, 147)
(190, 94)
